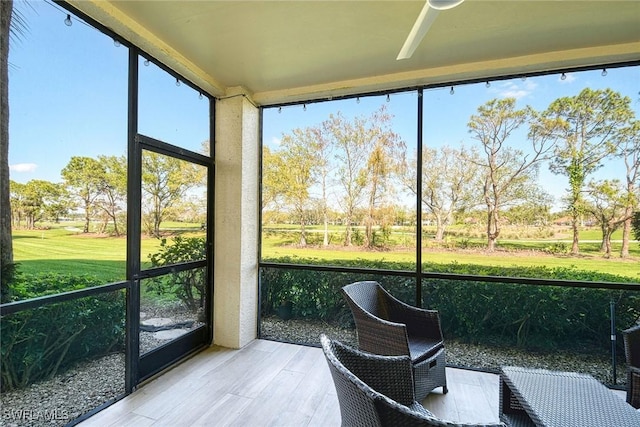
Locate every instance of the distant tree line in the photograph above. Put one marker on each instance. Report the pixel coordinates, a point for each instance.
(97, 188)
(361, 168)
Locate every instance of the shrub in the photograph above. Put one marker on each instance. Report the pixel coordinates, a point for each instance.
(37, 343)
(557, 248)
(7, 277)
(187, 286)
(528, 316)
(537, 317)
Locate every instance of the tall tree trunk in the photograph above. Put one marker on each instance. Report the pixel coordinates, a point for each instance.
(325, 240)
(369, 220)
(156, 225)
(626, 232)
(603, 228)
(576, 181)
(348, 231)
(439, 228)
(492, 231)
(325, 211)
(157, 216)
(368, 232)
(607, 243)
(347, 235)
(87, 216)
(303, 232)
(576, 235)
(115, 226)
(6, 246)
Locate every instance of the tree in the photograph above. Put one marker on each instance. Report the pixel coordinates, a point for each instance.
(381, 165)
(447, 179)
(296, 164)
(635, 225)
(165, 181)
(509, 174)
(323, 153)
(6, 245)
(37, 199)
(629, 150)
(364, 151)
(608, 206)
(85, 177)
(272, 182)
(57, 202)
(112, 198)
(586, 127)
(16, 190)
(535, 212)
(350, 143)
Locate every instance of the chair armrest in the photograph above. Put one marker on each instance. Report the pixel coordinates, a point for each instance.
(420, 322)
(377, 335)
(391, 376)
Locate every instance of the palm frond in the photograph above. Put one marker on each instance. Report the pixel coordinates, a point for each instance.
(19, 25)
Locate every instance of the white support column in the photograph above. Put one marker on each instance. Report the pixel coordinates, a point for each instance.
(235, 308)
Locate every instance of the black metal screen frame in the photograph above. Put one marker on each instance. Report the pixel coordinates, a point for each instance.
(198, 338)
(148, 364)
(418, 273)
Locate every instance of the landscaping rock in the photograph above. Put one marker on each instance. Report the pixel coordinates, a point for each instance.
(169, 334)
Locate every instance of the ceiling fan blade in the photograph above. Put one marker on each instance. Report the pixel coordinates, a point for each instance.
(420, 27)
(444, 4)
(426, 18)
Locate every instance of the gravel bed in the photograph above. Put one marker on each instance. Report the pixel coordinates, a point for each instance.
(86, 385)
(481, 357)
(67, 396)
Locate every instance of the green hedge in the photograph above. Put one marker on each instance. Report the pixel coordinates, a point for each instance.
(538, 317)
(529, 316)
(37, 343)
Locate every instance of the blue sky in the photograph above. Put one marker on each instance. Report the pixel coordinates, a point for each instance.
(68, 97)
(446, 115)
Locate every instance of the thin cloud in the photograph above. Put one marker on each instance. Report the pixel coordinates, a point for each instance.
(517, 90)
(275, 141)
(23, 167)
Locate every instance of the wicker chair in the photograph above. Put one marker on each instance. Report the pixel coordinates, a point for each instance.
(632, 351)
(377, 390)
(389, 327)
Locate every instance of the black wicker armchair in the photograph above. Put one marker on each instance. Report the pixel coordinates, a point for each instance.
(632, 351)
(389, 327)
(376, 390)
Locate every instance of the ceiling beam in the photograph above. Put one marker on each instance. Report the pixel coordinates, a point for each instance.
(529, 64)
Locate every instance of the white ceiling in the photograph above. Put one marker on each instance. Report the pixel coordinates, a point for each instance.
(285, 51)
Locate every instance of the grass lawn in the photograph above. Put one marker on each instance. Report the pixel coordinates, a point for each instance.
(63, 248)
(513, 253)
(629, 268)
